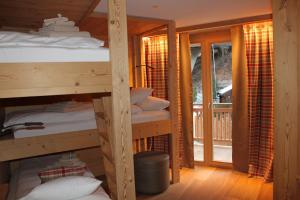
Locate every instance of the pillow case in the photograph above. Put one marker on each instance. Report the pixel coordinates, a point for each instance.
(50, 174)
(154, 103)
(135, 109)
(65, 188)
(138, 95)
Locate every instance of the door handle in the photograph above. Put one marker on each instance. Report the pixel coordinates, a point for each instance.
(209, 105)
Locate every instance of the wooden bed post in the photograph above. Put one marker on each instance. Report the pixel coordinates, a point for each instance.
(173, 96)
(117, 111)
(287, 99)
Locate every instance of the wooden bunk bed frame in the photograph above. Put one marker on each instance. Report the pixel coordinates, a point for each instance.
(115, 132)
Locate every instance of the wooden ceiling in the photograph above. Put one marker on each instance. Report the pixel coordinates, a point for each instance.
(21, 15)
(96, 24)
(30, 13)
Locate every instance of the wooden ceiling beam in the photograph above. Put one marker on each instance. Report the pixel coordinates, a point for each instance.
(225, 23)
(133, 18)
(154, 30)
(89, 10)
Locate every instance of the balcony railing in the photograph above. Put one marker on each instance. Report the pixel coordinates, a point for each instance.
(221, 122)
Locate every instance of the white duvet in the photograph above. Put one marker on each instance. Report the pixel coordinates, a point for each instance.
(15, 39)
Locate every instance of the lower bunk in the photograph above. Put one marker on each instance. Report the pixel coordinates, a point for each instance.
(62, 131)
(61, 176)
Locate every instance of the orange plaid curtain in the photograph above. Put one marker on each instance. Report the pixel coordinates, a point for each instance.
(259, 52)
(156, 77)
(156, 61)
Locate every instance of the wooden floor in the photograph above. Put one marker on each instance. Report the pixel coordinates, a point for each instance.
(208, 183)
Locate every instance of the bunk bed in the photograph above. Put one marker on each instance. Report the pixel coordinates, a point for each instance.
(109, 78)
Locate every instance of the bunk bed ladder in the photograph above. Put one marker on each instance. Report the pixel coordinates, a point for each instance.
(106, 143)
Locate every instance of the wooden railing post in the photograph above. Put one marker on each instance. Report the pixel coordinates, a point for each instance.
(222, 124)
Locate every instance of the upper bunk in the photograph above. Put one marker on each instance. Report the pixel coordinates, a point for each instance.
(32, 71)
(37, 79)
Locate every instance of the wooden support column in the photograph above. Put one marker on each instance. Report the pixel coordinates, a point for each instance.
(286, 15)
(173, 96)
(119, 120)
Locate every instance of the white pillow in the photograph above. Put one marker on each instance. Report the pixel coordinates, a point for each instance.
(154, 103)
(135, 109)
(138, 95)
(65, 188)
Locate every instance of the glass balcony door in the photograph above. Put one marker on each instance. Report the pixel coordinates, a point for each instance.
(221, 83)
(212, 85)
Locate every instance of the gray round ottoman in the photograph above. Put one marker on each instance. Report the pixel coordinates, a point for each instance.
(151, 170)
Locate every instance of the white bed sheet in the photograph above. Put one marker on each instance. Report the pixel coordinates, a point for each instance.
(52, 54)
(56, 128)
(17, 39)
(61, 122)
(150, 116)
(26, 178)
(49, 117)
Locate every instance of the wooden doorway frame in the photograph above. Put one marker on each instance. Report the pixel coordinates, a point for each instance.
(205, 39)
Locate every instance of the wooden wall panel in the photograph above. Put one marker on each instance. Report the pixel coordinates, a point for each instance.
(30, 13)
(3, 191)
(93, 158)
(215, 36)
(4, 172)
(287, 100)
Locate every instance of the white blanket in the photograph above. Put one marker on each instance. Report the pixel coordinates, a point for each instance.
(64, 23)
(60, 28)
(15, 39)
(65, 34)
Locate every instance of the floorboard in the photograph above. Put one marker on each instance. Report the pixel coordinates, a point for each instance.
(209, 183)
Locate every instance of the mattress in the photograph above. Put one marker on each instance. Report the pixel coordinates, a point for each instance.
(150, 116)
(52, 54)
(68, 117)
(56, 118)
(25, 178)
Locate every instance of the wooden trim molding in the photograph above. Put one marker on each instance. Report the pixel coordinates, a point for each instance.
(225, 23)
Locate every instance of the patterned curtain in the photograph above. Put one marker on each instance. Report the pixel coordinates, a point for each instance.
(259, 52)
(156, 77)
(156, 61)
